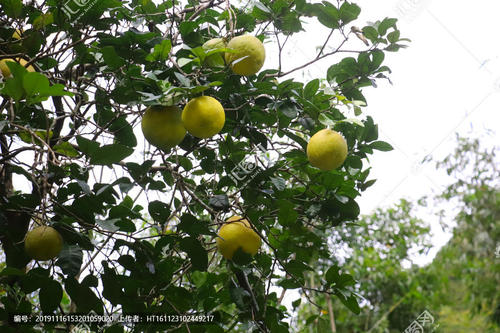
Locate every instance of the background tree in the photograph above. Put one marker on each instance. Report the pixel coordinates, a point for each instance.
(139, 223)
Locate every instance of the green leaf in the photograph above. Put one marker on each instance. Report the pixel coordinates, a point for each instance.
(11, 271)
(290, 23)
(289, 284)
(123, 131)
(350, 302)
(311, 319)
(296, 303)
(367, 184)
(65, 148)
(35, 83)
(279, 183)
(262, 7)
(393, 36)
(70, 260)
(371, 33)
(386, 24)
(43, 20)
(326, 121)
(345, 280)
(238, 296)
(289, 110)
(180, 297)
(112, 289)
(349, 12)
(34, 280)
(286, 214)
(196, 252)
(377, 59)
(110, 154)
(381, 145)
(327, 15)
(346, 69)
(50, 296)
(219, 202)
(13, 87)
(297, 268)
(160, 51)
(311, 88)
(187, 27)
(354, 161)
(159, 211)
(111, 58)
(81, 294)
(182, 79)
(332, 274)
(128, 262)
(13, 8)
(193, 226)
(88, 147)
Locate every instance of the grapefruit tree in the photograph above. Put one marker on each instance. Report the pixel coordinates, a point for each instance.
(139, 213)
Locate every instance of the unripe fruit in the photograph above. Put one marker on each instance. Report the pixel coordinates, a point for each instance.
(43, 243)
(162, 126)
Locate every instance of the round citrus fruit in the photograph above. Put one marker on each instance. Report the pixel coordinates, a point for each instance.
(237, 233)
(249, 55)
(203, 117)
(216, 59)
(6, 70)
(43, 243)
(327, 150)
(162, 126)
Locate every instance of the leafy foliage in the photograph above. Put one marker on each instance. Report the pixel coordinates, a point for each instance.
(139, 224)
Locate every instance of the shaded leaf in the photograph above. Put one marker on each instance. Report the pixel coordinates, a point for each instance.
(70, 260)
(196, 252)
(50, 296)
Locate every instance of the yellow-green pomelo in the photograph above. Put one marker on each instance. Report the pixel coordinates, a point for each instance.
(249, 55)
(216, 59)
(203, 117)
(43, 243)
(327, 150)
(6, 70)
(235, 234)
(162, 126)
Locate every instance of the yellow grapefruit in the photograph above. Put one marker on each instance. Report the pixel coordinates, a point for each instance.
(327, 150)
(235, 234)
(203, 117)
(249, 55)
(6, 70)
